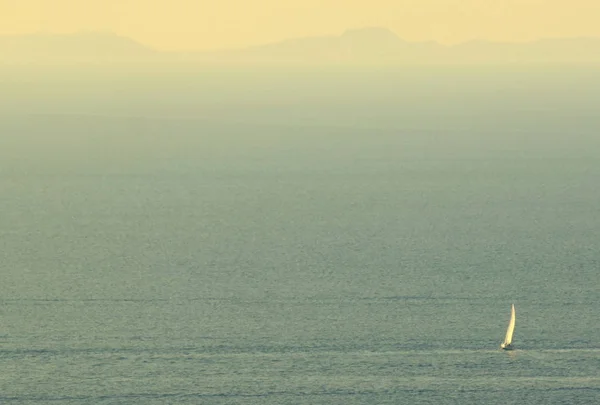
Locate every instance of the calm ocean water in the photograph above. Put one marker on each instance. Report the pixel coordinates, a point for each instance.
(177, 261)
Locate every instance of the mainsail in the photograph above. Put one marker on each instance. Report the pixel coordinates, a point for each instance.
(511, 327)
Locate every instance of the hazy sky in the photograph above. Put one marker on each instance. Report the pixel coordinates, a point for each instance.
(206, 24)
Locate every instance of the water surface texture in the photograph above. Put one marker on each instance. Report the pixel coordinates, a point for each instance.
(363, 249)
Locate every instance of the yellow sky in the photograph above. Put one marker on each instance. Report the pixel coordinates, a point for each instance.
(209, 24)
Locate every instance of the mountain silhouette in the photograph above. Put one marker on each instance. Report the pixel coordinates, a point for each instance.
(79, 47)
(372, 46)
(381, 46)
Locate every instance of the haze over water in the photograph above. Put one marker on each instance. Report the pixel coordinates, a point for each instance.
(300, 237)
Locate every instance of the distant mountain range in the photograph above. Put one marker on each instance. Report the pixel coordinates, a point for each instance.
(81, 47)
(371, 46)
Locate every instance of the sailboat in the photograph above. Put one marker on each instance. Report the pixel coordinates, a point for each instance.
(507, 344)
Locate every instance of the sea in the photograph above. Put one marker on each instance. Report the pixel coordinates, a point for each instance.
(301, 238)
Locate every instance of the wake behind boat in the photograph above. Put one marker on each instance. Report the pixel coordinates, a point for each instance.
(507, 344)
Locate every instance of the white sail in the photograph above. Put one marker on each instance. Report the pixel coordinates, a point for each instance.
(511, 327)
